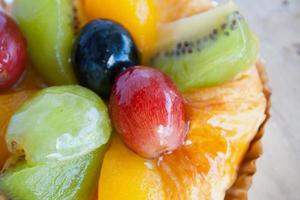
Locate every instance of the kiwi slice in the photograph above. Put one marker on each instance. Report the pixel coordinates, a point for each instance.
(48, 26)
(206, 49)
(60, 136)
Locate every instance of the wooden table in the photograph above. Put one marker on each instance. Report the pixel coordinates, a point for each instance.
(277, 23)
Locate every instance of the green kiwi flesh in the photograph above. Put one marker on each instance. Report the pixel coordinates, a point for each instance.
(206, 49)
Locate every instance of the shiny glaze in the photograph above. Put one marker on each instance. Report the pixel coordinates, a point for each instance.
(139, 17)
(9, 103)
(13, 55)
(48, 29)
(223, 121)
(201, 161)
(11, 99)
(102, 50)
(30, 80)
(71, 179)
(58, 141)
(147, 111)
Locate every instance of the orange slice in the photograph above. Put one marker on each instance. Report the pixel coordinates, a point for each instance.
(138, 16)
(223, 121)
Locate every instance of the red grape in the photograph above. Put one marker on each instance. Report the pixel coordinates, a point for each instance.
(147, 111)
(12, 52)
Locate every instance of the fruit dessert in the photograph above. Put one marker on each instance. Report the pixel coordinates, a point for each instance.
(125, 99)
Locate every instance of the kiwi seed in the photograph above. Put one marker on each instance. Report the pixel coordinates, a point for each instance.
(183, 47)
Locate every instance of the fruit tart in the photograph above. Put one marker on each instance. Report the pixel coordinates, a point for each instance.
(129, 100)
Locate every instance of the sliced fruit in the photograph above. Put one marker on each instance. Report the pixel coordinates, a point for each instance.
(9, 103)
(206, 49)
(125, 175)
(63, 151)
(139, 17)
(102, 50)
(147, 111)
(223, 121)
(13, 54)
(71, 121)
(48, 28)
(171, 10)
(68, 180)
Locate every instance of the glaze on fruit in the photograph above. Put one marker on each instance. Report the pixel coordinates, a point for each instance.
(206, 49)
(102, 50)
(48, 28)
(59, 137)
(139, 17)
(13, 54)
(147, 111)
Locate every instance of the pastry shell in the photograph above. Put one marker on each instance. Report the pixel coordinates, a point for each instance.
(243, 182)
(247, 169)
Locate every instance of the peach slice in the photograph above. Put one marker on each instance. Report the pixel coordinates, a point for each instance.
(125, 175)
(138, 16)
(224, 119)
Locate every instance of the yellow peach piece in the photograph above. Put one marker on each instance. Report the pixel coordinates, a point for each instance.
(138, 16)
(125, 175)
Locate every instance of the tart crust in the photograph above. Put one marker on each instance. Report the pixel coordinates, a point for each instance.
(243, 182)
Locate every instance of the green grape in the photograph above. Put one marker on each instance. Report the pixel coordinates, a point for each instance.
(62, 132)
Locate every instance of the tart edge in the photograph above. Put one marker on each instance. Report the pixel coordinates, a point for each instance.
(239, 189)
